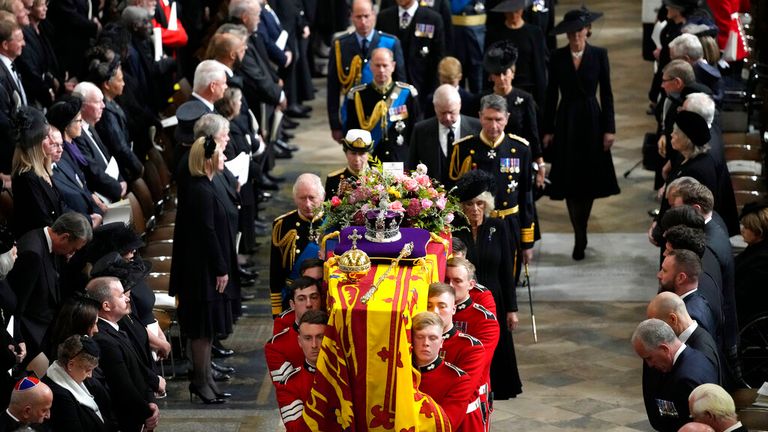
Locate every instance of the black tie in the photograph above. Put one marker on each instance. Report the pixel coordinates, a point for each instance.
(449, 138)
(364, 49)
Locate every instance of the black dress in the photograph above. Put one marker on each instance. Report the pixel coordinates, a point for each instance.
(522, 119)
(491, 256)
(580, 166)
(751, 274)
(532, 55)
(36, 203)
(202, 251)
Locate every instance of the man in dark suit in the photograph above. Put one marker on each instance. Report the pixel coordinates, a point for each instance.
(680, 274)
(670, 308)
(677, 370)
(432, 139)
(349, 57)
(133, 399)
(421, 33)
(712, 405)
(35, 278)
(12, 94)
(31, 402)
(77, 22)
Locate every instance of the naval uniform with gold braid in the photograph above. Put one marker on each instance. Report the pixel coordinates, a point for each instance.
(388, 113)
(294, 239)
(509, 160)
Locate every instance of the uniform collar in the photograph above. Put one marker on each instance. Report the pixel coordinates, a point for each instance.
(487, 141)
(309, 367)
(383, 89)
(295, 326)
(432, 366)
(314, 219)
(450, 333)
(465, 304)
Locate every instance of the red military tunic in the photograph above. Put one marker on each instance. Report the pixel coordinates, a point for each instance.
(451, 388)
(467, 353)
(285, 320)
(283, 354)
(484, 297)
(291, 395)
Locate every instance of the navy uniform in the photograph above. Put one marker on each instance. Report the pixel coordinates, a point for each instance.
(294, 239)
(348, 67)
(335, 178)
(358, 141)
(468, 18)
(388, 113)
(508, 159)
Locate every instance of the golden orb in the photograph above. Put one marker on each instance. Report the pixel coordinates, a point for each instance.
(355, 264)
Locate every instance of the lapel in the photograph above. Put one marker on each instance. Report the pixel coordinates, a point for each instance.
(50, 270)
(464, 129)
(10, 84)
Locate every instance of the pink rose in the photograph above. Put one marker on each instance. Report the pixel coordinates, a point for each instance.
(426, 203)
(396, 206)
(410, 184)
(448, 218)
(441, 202)
(358, 219)
(424, 180)
(379, 187)
(335, 201)
(432, 192)
(413, 207)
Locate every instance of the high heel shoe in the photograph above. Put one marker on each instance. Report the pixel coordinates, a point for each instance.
(193, 390)
(223, 395)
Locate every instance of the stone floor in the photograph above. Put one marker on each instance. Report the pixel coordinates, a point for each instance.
(582, 373)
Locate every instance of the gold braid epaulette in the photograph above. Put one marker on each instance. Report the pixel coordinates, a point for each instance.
(355, 70)
(456, 169)
(286, 244)
(379, 113)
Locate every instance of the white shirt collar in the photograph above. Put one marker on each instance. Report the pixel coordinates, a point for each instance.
(734, 427)
(203, 100)
(411, 10)
(707, 219)
(48, 239)
(677, 354)
(7, 411)
(688, 332)
(113, 325)
(6, 61)
(683, 296)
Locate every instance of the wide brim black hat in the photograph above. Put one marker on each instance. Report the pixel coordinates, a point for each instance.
(63, 111)
(511, 5)
(499, 57)
(753, 207)
(576, 20)
(112, 237)
(694, 127)
(30, 126)
(473, 183)
(187, 115)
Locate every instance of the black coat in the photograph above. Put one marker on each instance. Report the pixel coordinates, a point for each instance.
(38, 67)
(125, 376)
(423, 48)
(699, 309)
(68, 415)
(203, 249)
(703, 342)
(425, 146)
(260, 80)
(95, 172)
(580, 166)
(74, 31)
(493, 260)
(10, 101)
(719, 243)
(113, 131)
(34, 279)
(689, 371)
(35, 203)
(751, 274)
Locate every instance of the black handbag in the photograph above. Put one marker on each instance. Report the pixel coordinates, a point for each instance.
(652, 161)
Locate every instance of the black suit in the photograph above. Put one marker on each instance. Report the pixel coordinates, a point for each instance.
(260, 81)
(442, 7)
(666, 394)
(38, 67)
(423, 45)
(95, 172)
(34, 279)
(425, 146)
(10, 100)
(703, 342)
(720, 245)
(68, 415)
(699, 309)
(125, 375)
(112, 128)
(7, 423)
(74, 31)
(35, 203)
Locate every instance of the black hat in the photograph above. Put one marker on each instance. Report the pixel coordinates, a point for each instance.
(7, 240)
(130, 272)
(753, 207)
(694, 127)
(90, 346)
(473, 183)
(511, 5)
(63, 111)
(187, 115)
(358, 140)
(112, 237)
(576, 20)
(499, 57)
(30, 126)
(695, 87)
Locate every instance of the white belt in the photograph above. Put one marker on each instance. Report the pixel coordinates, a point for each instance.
(475, 404)
(483, 389)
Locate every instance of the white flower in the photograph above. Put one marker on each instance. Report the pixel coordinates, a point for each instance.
(519, 100)
(421, 169)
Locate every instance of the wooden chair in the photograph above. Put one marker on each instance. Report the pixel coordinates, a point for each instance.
(160, 264)
(745, 197)
(141, 190)
(743, 152)
(748, 183)
(155, 186)
(739, 138)
(158, 282)
(162, 248)
(162, 167)
(161, 233)
(137, 216)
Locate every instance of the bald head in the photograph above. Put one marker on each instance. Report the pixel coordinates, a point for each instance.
(32, 405)
(670, 308)
(696, 427)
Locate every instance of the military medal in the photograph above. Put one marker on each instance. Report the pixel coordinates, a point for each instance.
(399, 126)
(512, 186)
(492, 154)
(424, 30)
(479, 7)
(518, 100)
(424, 51)
(515, 165)
(427, 3)
(505, 165)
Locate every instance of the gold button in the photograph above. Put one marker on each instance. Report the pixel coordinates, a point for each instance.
(342, 176)
(474, 165)
(298, 224)
(298, 250)
(297, 237)
(510, 176)
(508, 191)
(504, 203)
(471, 152)
(514, 150)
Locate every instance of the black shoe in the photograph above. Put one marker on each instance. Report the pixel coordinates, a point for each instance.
(265, 183)
(305, 108)
(220, 377)
(260, 225)
(275, 178)
(282, 145)
(247, 273)
(247, 297)
(578, 254)
(290, 124)
(223, 395)
(287, 136)
(222, 368)
(221, 352)
(282, 154)
(208, 401)
(263, 197)
(294, 111)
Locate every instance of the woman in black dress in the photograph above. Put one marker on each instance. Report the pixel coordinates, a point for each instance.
(36, 201)
(488, 249)
(531, 72)
(752, 263)
(204, 257)
(579, 132)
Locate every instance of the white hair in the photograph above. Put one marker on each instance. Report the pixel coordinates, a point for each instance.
(207, 72)
(702, 104)
(687, 45)
(446, 94)
(85, 89)
(311, 180)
